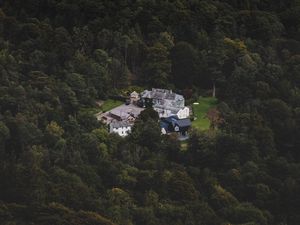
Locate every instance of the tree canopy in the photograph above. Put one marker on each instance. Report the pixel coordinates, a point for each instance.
(59, 165)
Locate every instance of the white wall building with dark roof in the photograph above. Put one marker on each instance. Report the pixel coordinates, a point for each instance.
(134, 97)
(167, 103)
(122, 128)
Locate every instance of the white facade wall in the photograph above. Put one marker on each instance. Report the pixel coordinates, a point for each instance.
(183, 113)
(122, 131)
(163, 131)
(163, 113)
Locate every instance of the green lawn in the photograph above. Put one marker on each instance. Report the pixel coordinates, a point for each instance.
(110, 104)
(184, 145)
(200, 110)
(106, 106)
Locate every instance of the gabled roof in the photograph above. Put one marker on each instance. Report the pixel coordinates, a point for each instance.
(170, 96)
(176, 120)
(134, 94)
(171, 120)
(146, 94)
(184, 122)
(118, 124)
(161, 94)
(164, 125)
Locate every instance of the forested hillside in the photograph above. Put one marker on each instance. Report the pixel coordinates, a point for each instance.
(58, 165)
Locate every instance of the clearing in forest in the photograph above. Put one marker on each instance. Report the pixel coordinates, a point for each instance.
(200, 109)
(110, 104)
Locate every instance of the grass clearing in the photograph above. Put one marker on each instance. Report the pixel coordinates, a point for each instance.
(110, 104)
(90, 110)
(199, 110)
(105, 106)
(184, 145)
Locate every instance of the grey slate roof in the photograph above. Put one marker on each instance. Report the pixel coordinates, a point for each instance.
(174, 110)
(118, 124)
(125, 111)
(171, 122)
(134, 94)
(161, 94)
(184, 122)
(170, 96)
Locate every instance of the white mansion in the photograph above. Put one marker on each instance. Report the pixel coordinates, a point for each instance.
(166, 103)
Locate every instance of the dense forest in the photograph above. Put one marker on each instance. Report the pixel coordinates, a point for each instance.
(59, 165)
